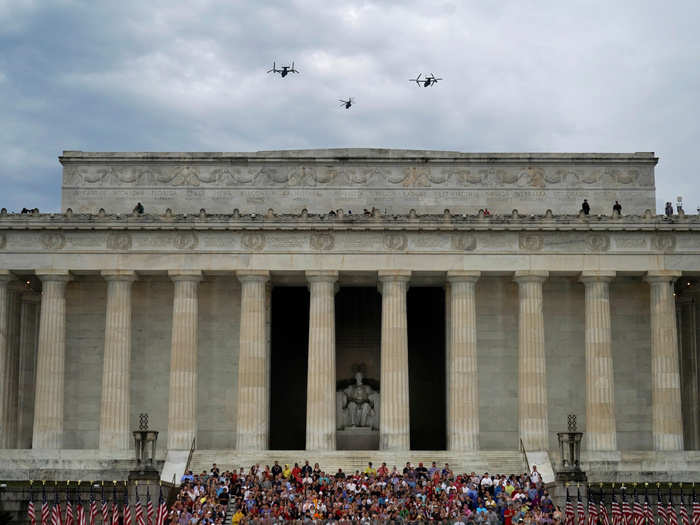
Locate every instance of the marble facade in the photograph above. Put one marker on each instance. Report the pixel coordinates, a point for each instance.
(548, 313)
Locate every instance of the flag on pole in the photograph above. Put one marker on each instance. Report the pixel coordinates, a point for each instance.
(637, 511)
(696, 509)
(685, 518)
(30, 507)
(671, 512)
(93, 507)
(80, 511)
(592, 511)
(580, 510)
(569, 511)
(127, 508)
(149, 507)
(604, 513)
(115, 507)
(139, 509)
(56, 518)
(160, 517)
(69, 508)
(648, 511)
(105, 507)
(44, 506)
(616, 510)
(627, 514)
(661, 509)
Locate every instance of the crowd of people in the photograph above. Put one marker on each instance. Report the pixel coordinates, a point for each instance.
(261, 495)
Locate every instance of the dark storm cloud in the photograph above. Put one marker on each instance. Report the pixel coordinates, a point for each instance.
(520, 76)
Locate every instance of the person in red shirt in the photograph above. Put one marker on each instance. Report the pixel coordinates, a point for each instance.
(508, 515)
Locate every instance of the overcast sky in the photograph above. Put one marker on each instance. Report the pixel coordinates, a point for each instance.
(162, 75)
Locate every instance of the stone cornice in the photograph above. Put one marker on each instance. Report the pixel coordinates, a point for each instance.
(350, 155)
(305, 222)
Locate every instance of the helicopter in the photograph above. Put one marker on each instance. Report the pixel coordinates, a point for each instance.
(284, 70)
(347, 103)
(426, 81)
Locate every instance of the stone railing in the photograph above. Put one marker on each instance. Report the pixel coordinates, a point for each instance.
(368, 220)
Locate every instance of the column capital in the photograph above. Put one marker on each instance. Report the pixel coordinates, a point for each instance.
(47, 275)
(324, 276)
(463, 276)
(394, 275)
(185, 275)
(597, 276)
(6, 276)
(662, 276)
(530, 276)
(119, 275)
(246, 276)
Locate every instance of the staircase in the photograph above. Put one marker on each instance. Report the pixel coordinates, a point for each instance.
(502, 462)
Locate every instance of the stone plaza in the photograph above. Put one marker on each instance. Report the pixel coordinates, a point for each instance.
(479, 304)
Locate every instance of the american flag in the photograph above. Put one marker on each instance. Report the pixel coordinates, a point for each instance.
(160, 518)
(685, 518)
(69, 508)
(648, 510)
(149, 507)
(637, 511)
(93, 508)
(569, 512)
(696, 510)
(661, 510)
(616, 511)
(115, 508)
(30, 507)
(139, 509)
(627, 513)
(603, 513)
(127, 509)
(56, 518)
(80, 512)
(44, 507)
(105, 507)
(592, 512)
(580, 510)
(671, 513)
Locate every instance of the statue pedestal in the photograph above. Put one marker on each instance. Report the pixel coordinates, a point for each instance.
(357, 438)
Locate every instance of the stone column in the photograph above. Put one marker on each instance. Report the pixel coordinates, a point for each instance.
(600, 400)
(463, 379)
(11, 381)
(182, 400)
(532, 376)
(48, 404)
(5, 344)
(116, 368)
(667, 422)
(252, 417)
(27, 367)
(320, 392)
(394, 422)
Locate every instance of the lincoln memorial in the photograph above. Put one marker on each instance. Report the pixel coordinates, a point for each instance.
(352, 305)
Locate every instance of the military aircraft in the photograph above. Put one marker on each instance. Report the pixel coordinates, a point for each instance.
(284, 70)
(426, 81)
(347, 103)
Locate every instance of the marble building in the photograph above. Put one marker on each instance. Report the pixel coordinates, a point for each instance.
(254, 284)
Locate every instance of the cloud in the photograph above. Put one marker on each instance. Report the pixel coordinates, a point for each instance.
(519, 76)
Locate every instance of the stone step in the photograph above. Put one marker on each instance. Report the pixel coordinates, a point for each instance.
(504, 462)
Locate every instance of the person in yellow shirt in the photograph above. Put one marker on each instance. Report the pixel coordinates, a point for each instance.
(370, 470)
(237, 517)
(286, 471)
